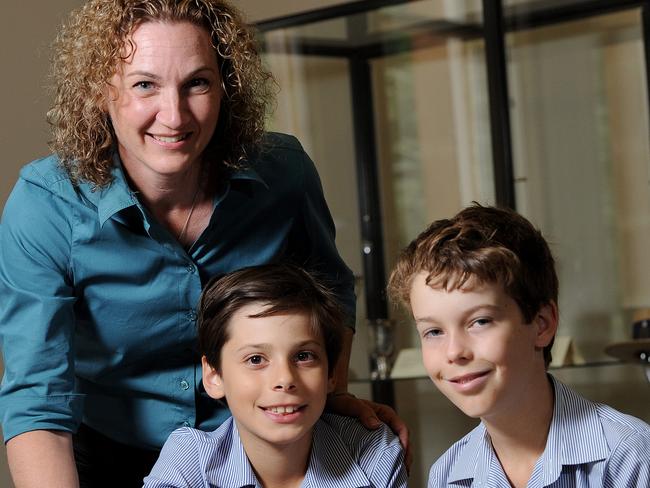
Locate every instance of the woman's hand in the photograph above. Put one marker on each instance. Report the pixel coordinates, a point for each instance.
(371, 415)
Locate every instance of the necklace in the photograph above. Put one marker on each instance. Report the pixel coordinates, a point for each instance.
(189, 216)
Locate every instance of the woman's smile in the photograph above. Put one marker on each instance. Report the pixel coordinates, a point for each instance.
(164, 100)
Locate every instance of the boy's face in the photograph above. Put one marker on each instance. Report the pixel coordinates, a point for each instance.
(274, 376)
(476, 347)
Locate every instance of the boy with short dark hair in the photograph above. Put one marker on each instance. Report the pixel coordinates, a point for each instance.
(269, 337)
(483, 289)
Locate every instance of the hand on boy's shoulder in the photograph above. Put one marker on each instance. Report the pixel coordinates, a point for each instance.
(371, 415)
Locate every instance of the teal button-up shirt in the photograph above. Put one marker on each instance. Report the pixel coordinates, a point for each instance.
(97, 315)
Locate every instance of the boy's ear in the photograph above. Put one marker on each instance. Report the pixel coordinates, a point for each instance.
(546, 322)
(212, 381)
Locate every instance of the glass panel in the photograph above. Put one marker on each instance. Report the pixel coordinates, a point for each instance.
(380, 23)
(433, 145)
(523, 6)
(580, 133)
(314, 105)
(431, 117)
(426, 14)
(433, 136)
(580, 140)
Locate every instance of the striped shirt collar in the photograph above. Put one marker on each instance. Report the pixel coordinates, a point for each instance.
(575, 437)
(330, 463)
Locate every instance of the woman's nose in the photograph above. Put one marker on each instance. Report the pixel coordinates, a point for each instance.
(172, 112)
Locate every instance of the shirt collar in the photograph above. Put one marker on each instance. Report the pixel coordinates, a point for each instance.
(575, 437)
(117, 195)
(232, 455)
(330, 463)
(474, 460)
(247, 173)
(114, 197)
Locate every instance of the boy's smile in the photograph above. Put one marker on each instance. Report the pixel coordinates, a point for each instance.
(469, 381)
(274, 376)
(476, 347)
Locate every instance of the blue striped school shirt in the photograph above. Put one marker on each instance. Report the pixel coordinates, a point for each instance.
(589, 445)
(343, 454)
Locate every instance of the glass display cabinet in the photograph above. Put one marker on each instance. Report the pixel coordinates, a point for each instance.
(414, 109)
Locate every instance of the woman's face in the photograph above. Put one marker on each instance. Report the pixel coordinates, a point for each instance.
(164, 100)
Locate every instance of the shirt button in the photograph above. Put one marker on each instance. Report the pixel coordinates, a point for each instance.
(185, 385)
(191, 315)
(186, 424)
(191, 268)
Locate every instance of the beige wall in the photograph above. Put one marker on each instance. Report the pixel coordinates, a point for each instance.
(25, 36)
(26, 30)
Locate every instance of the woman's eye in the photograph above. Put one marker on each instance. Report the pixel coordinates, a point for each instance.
(143, 85)
(200, 84)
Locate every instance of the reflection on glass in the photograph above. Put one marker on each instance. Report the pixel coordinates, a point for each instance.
(580, 138)
(434, 141)
(431, 120)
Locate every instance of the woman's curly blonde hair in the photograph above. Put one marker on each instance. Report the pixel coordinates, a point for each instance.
(87, 53)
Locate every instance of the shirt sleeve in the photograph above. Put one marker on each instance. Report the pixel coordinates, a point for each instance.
(178, 465)
(629, 463)
(36, 313)
(318, 242)
(390, 471)
(381, 456)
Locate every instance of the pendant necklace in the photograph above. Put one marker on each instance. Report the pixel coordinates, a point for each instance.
(189, 216)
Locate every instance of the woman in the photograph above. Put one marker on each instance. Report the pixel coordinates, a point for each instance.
(161, 178)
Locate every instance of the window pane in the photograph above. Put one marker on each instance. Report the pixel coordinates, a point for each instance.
(580, 133)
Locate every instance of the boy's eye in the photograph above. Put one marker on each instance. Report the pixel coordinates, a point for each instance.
(303, 356)
(482, 322)
(432, 333)
(255, 360)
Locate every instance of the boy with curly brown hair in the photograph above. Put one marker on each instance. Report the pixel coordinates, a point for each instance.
(483, 291)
